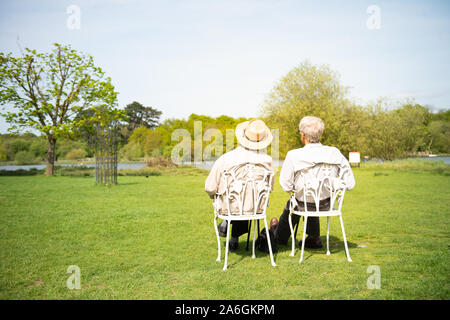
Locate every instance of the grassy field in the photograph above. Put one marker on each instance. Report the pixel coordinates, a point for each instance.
(153, 238)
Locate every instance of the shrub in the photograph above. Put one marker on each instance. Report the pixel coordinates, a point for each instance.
(24, 157)
(139, 172)
(159, 162)
(21, 172)
(18, 145)
(3, 153)
(131, 151)
(75, 154)
(80, 171)
(39, 148)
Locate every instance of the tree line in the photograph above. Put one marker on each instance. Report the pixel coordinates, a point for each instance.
(409, 130)
(63, 95)
(378, 130)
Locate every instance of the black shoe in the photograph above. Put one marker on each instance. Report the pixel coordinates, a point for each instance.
(312, 243)
(223, 226)
(233, 244)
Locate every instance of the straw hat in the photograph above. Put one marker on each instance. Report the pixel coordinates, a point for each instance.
(253, 134)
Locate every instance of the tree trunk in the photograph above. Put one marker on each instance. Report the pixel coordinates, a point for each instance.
(50, 155)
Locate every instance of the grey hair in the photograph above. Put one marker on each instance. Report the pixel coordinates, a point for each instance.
(311, 128)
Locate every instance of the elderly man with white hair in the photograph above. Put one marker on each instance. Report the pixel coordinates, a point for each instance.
(311, 157)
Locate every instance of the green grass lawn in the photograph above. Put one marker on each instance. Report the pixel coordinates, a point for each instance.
(153, 238)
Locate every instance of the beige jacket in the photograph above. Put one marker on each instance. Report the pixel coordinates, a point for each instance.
(215, 183)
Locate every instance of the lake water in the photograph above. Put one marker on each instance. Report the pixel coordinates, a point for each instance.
(203, 165)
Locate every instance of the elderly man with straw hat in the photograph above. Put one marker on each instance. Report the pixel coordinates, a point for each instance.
(252, 136)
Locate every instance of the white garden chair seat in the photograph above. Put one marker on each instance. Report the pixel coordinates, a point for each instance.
(313, 187)
(246, 196)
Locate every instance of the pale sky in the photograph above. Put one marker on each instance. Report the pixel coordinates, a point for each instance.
(224, 57)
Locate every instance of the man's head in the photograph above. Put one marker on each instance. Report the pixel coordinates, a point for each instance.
(311, 129)
(253, 134)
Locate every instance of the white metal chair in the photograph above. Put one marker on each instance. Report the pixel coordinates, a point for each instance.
(246, 187)
(314, 186)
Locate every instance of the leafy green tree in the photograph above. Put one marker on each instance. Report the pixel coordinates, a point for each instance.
(147, 140)
(48, 90)
(18, 145)
(24, 157)
(307, 90)
(413, 127)
(39, 147)
(138, 115)
(439, 136)
(396, 132)
(3, 152)
(75, 154)
(152, 143)
(384, 134)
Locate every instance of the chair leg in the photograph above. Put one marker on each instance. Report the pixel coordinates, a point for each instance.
(292, 235)
(328, 236)
(218, 238)
(254, 238)
(303, 242)
(268, 243)
(345, 240)
(248, 234)
(226, 247)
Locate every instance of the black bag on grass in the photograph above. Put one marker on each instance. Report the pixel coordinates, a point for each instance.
(261, 242)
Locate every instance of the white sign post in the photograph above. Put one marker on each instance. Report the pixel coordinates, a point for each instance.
(354, 157)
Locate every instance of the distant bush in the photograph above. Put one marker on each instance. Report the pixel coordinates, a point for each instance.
(164, 171)
(131, 151)
(18, 145)
(21, 172)
(139, 172)
(159, 162)
(39, 148)
(24, 157)
(75, 154)
(3, 152)
(80, 171)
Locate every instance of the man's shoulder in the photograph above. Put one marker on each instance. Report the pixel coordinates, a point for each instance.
(306, 151)
(294, 152)
(240, 154)
(331, 149)
(335, 151)
(265, 156)
(232, 153)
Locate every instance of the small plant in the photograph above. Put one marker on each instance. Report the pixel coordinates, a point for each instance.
(24, 157)
(159, 162)
(76, 154)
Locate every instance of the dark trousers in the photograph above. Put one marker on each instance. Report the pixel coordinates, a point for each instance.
(283, 232)
(239, 228)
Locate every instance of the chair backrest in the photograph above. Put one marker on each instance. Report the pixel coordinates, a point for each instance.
(247, 187)
(322, 181)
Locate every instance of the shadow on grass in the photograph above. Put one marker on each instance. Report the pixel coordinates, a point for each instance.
(336, 246)
(127, 183)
